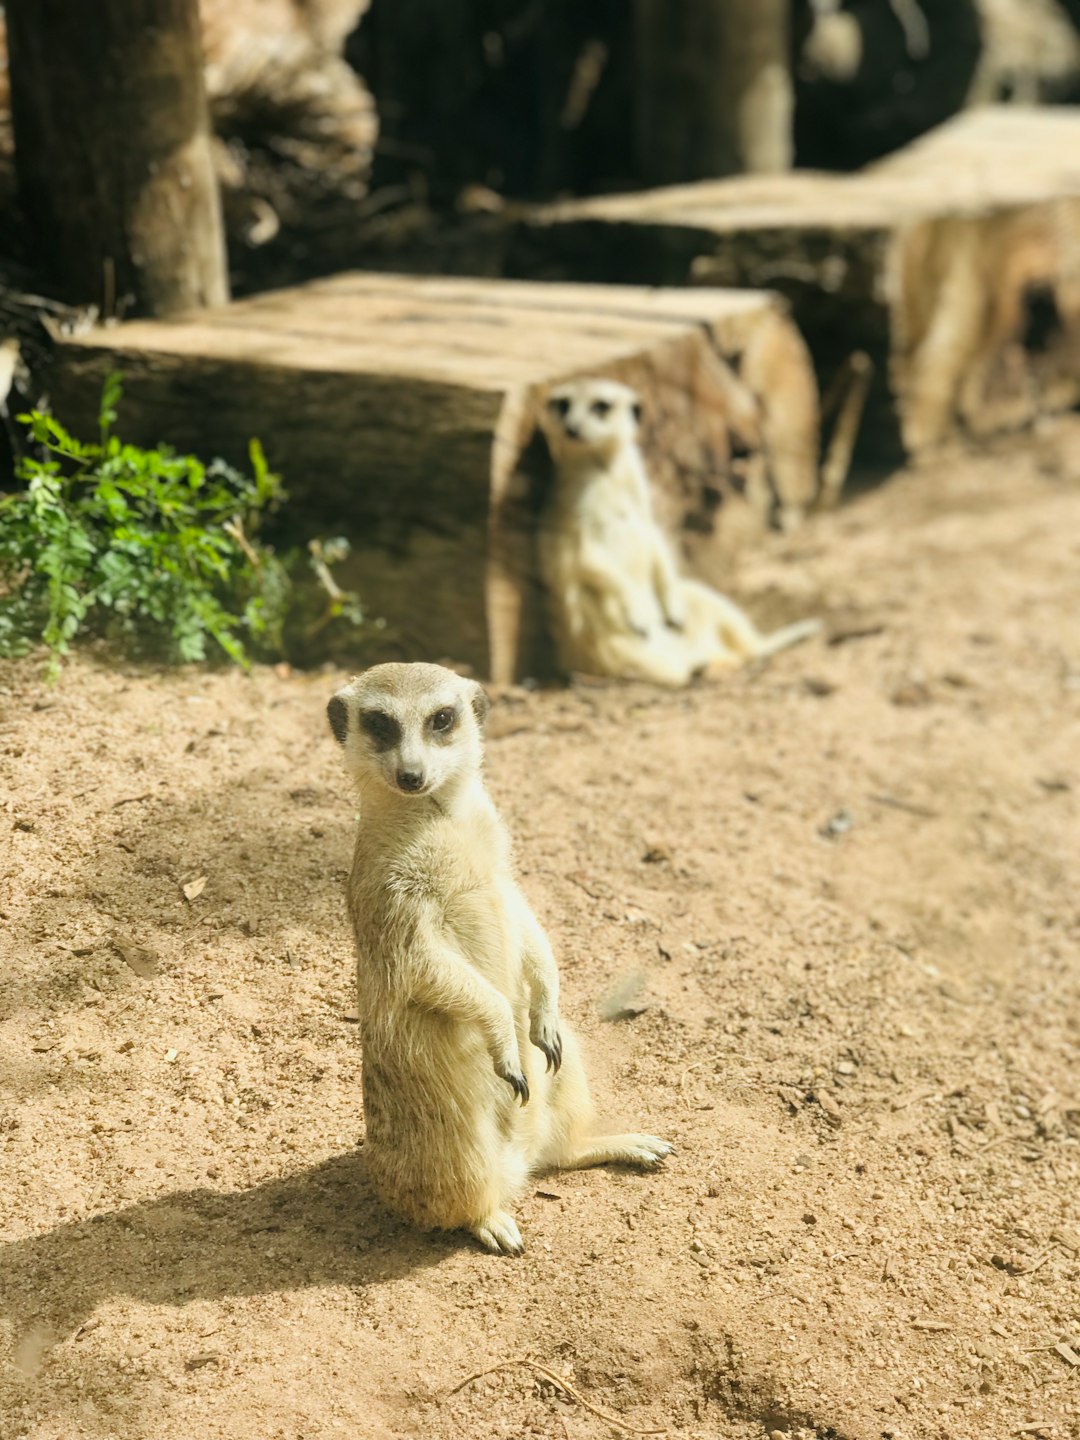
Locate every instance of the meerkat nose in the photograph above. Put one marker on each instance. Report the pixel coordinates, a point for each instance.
(410, 779)
(573, 432)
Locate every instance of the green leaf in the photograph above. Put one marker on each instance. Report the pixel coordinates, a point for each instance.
(147, 548)
(111, 394)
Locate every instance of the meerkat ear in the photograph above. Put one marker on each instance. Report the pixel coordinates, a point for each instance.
(480, 704)
(337, 712)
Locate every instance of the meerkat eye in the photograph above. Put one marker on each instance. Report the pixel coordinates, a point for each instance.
(444, 719)
(601, 409)
(559, 405)
(381, 728)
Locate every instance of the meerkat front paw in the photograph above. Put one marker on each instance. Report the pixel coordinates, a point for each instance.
(544, 1034)
(510, 1071)
(674, 610)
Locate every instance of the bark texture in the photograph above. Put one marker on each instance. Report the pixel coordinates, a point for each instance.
(714, 88)
(113, 151)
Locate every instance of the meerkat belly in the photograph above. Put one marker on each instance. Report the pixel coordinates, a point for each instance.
(437, 1115)
(435, 1118)
(485, 931)
(622, 543)
(624, 535)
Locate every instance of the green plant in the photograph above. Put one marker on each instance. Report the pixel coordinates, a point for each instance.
(150, 548)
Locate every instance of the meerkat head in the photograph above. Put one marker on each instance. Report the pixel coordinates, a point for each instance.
(415, 728)
(588, 419)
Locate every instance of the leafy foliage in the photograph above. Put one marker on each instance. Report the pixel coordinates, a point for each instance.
(149, 548)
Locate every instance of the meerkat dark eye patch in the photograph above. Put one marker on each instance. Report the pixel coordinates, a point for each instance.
(337, 712)
(381, 729)
(444, 720)
(601, 409)
(559, 405)
(636, 411)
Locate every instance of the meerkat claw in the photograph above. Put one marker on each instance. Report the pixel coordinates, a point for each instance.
(519, 1085)
(549, 1042)
(552, 1054)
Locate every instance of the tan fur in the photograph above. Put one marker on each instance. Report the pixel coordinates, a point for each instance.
(458, 988)
(618, 605)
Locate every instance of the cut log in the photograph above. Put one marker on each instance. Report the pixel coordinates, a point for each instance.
(401, 413)
(953, 265)
(996, 153)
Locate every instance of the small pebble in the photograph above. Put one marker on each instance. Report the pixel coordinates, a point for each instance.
(838, 824)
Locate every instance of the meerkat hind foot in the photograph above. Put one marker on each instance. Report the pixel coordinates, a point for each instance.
(645, 1150)
(499, 1233)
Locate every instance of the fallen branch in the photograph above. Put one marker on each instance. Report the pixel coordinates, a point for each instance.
(895, 803)
(561, 1384)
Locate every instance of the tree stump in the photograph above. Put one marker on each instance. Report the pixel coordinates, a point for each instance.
(402, 414)
(954, 265)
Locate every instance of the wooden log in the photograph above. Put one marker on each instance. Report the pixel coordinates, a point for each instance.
(989, 335)
(112, 150)
(954, 266)
(402, 413)
(996, 153)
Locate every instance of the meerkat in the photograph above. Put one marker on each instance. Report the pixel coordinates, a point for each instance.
(471, 1080)
(618, 605)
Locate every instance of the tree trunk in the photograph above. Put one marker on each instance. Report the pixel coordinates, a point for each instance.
(113, 151)
(714, 87)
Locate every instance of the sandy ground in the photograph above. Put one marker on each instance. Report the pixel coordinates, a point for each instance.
(845, 888)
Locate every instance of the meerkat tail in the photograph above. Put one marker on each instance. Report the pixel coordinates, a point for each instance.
(787, 636)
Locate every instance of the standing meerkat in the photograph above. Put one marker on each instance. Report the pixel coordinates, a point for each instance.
(617, 603)
(471, 1080)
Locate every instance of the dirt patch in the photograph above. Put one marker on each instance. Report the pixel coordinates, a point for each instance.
(833, 903)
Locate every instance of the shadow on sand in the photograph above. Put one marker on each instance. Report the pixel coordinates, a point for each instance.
(320, 1226)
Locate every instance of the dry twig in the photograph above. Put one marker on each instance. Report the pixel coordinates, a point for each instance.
(563, 1385)
(132, 799)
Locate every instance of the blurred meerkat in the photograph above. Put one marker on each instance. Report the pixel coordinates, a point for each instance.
(618, 605)
(458, 988)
